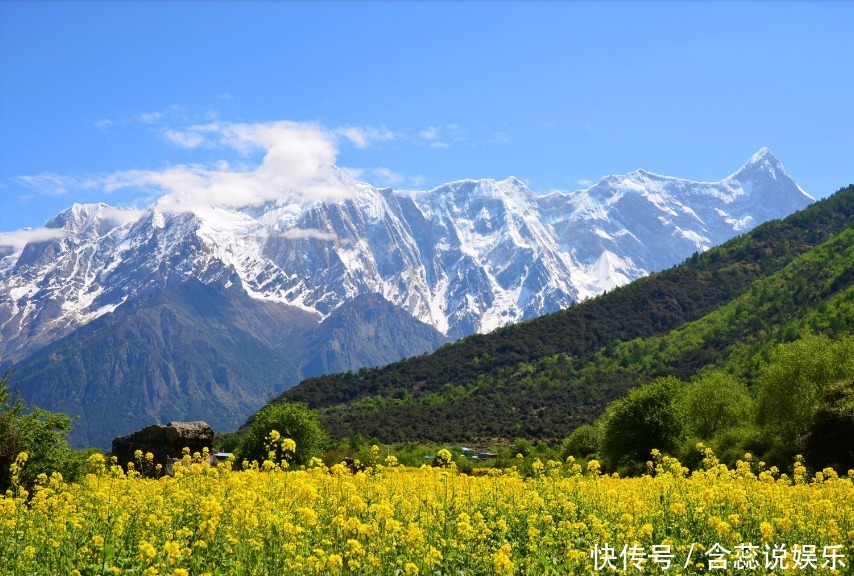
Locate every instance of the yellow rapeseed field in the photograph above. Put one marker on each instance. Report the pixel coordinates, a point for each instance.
(565, 519)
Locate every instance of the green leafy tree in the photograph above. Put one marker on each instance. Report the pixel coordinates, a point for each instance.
(649, 417)
(793, 382)
(291, 420)
(830, 438)
(584, 441)
(716, 402)
(39, 433)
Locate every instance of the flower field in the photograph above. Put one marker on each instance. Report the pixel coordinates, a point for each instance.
(564, 519)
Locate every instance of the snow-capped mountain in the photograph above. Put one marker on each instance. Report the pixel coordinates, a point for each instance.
(627, 226)
(178, 312)
(468, 256)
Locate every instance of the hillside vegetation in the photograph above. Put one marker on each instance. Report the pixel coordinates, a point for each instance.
(726, 309)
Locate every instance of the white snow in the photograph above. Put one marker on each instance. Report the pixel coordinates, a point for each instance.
(485, 253)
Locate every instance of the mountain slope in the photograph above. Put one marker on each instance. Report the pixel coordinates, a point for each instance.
(175, 354)
(366, 331)
(541, 378)
(193, 351)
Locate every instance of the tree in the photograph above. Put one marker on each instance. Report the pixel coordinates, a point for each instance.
(828, 442)
(648, 417)
(715, 402)
(291, 420)
(586, 440)
(39, 433)
(793, 382)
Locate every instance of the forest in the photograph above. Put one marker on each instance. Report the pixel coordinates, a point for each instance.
(724, 314)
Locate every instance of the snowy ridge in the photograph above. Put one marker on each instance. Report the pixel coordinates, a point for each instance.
(468, 256)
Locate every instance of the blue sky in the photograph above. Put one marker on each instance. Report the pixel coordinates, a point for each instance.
(119, 101)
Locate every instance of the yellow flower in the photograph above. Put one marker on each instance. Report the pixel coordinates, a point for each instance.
(308, 516)
(443, 457)
(678, 509)
(767, 531)
(433, 557)
(289, 445)
(404, 519)
(646, 530)
(354, 547)
(784, 524)
(334, 561)
(172, 549)
(147, 550)
(501, 561)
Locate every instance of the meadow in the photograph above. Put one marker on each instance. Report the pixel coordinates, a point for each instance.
(564, 518)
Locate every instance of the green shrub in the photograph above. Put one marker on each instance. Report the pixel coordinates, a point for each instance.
(39, 433)
(715, 402)
(649, 417)
(291, 420)
(586, 440)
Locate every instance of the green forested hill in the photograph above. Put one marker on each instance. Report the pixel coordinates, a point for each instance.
(542, 378)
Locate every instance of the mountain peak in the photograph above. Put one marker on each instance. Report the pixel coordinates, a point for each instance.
(764, 163)
(763, 152)
(764, 155)
(92, 219)
(75, 217)
(513, 181)
(765, 178)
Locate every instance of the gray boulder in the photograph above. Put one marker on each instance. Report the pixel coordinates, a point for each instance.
(164, 442)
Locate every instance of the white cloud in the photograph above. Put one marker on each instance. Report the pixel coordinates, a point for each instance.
(151, 117)
(430, 133)
(443, 136)
(172, 112)
(20, 238)
(364, 136)
(55, 184)
(120, 216)
(280, 159)
(354, 173)
(300, 233)
(386, 177)
(184, 139)
(298, 162)
(585, 182)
